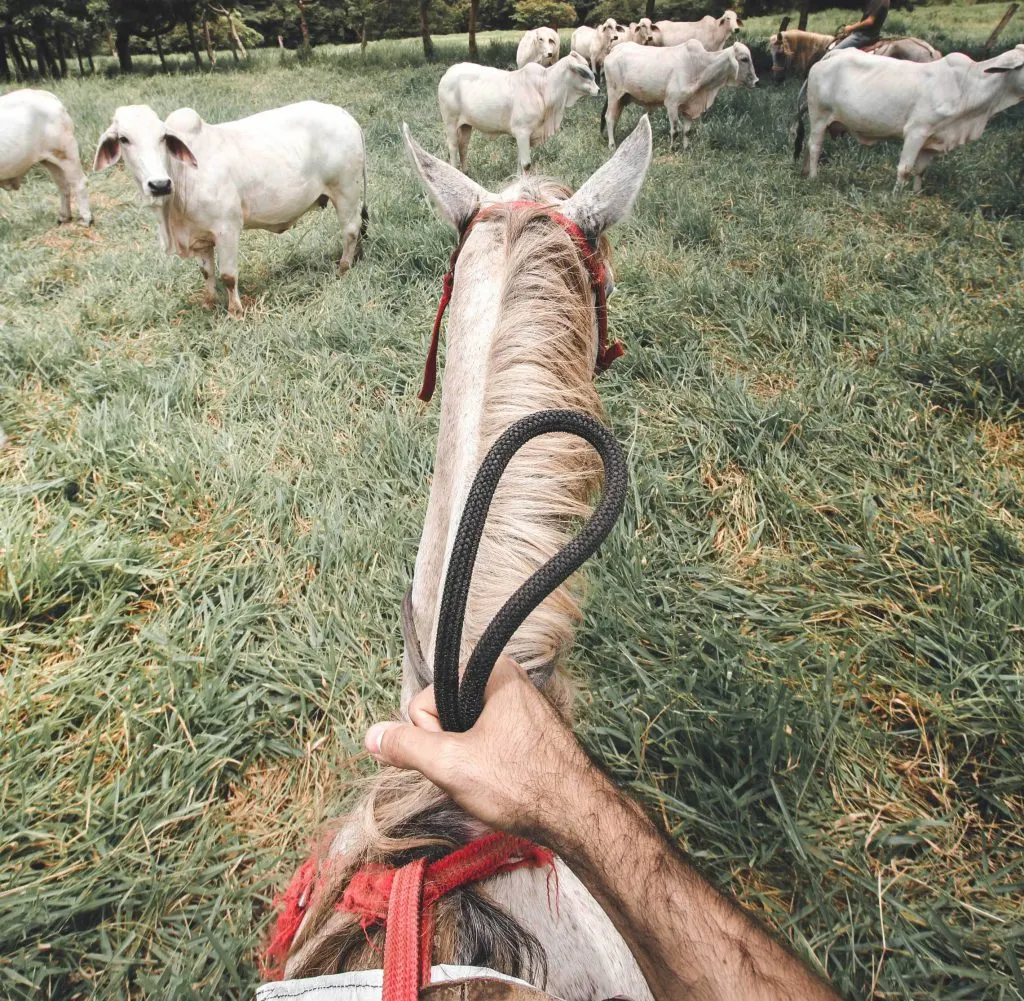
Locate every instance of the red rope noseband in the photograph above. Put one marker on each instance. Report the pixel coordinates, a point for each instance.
(606, 353)
(403, 901)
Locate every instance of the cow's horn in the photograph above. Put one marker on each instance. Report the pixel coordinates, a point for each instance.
(784, 24)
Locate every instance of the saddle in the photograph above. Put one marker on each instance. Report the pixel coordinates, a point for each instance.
(486, 989)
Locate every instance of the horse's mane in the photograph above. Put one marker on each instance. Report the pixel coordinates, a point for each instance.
(542, 357)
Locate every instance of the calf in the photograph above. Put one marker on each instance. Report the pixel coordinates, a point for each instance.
(594, 44)
(541, 45)
(36, 128)
(711, 32)
(527, 104)
(933, 107)
(207, 183)
(685, 78)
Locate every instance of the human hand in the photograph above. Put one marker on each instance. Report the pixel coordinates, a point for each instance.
(518, 769)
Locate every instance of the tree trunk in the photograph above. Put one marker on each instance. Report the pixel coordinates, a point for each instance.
(238, 38)
(78, 56)
(428, 42)
(44, 59)
(303, 26)
(88, 55)
(474, 7)
(61, 57)
(5, 70)
(123, 47)
(362, 37)
(649, 9)
(193, 44)
(110, 42)
(210, 54)
(21, 71)
(159, 42)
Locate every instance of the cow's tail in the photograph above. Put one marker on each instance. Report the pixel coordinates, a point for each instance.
(604, 116)
(801, 112)
(364, 212)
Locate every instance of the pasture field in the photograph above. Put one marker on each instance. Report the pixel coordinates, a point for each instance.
(803, 646)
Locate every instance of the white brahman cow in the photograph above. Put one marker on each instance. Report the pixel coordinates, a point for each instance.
(541, 45)
(527, 104)
(711, 32)
(36, 128)
(685, 78)
(933, 107)
(641, 32)
(207, 183)
(594, 44)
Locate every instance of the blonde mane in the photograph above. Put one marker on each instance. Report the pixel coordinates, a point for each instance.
(542, 357)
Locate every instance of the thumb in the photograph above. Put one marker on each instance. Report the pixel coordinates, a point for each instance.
(403, 745)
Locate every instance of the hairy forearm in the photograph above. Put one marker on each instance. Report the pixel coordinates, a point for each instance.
(690, 941)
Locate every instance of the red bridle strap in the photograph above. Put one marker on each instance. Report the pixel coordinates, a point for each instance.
(606, 353)
(403, 901)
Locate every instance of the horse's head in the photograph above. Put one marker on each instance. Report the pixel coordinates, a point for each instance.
(526, 327)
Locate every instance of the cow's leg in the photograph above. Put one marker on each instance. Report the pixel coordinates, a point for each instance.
(206, 265)
(74, 178)
(451, 134)
(687, 125)
(673, 121)
(227, 258)
(348, 202)
(523, 147)
(57, 173)
(913, 144)
(815, 142)
(611, 117)
(465, 134)
(924, 158)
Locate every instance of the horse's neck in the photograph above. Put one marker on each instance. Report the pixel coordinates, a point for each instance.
(473, 317)
(487, 386)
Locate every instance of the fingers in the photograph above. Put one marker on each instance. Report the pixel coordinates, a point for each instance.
(423, 711)
(404, 745)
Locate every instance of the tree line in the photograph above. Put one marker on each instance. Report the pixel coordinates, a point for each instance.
(43, 38)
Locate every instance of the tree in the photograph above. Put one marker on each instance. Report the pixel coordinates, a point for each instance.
(428, 42)
(537, 13)
(474, 10)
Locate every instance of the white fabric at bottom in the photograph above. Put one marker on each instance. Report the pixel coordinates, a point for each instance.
(362, 985)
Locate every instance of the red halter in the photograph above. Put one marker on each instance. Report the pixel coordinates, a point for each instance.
(403, 901)
(606, 353)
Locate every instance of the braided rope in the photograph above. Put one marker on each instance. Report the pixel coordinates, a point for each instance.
(459, 706)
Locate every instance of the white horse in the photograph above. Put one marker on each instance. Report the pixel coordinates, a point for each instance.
(522, 337)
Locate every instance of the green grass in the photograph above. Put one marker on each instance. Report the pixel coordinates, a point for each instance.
(803, 647)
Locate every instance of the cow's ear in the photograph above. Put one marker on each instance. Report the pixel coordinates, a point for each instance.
(179, 149)
(109, 150)
(1004, 69)
(455, 195)
(609, 194)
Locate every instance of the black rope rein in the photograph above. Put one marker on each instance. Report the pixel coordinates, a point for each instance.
(459, 706)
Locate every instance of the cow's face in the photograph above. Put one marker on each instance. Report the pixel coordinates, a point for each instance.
(581, 79)
(731, 20)
(549, 43)
(643, 31)
(745, 74)
(137, 136)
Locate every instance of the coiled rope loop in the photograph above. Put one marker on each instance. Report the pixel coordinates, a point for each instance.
(459, 706)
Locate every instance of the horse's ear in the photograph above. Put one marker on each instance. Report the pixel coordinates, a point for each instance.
(455, 195)
(609, 194)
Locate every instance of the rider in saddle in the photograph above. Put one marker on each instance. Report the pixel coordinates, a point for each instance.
(868, 30)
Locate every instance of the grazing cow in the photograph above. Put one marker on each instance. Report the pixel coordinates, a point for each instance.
(685, 78)
(933, 107)
(594, 44)
(207, 183)
(796, 51)
(541, 45)
(527, 104)
(36, 128)
(641, 32)
(712, 33)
